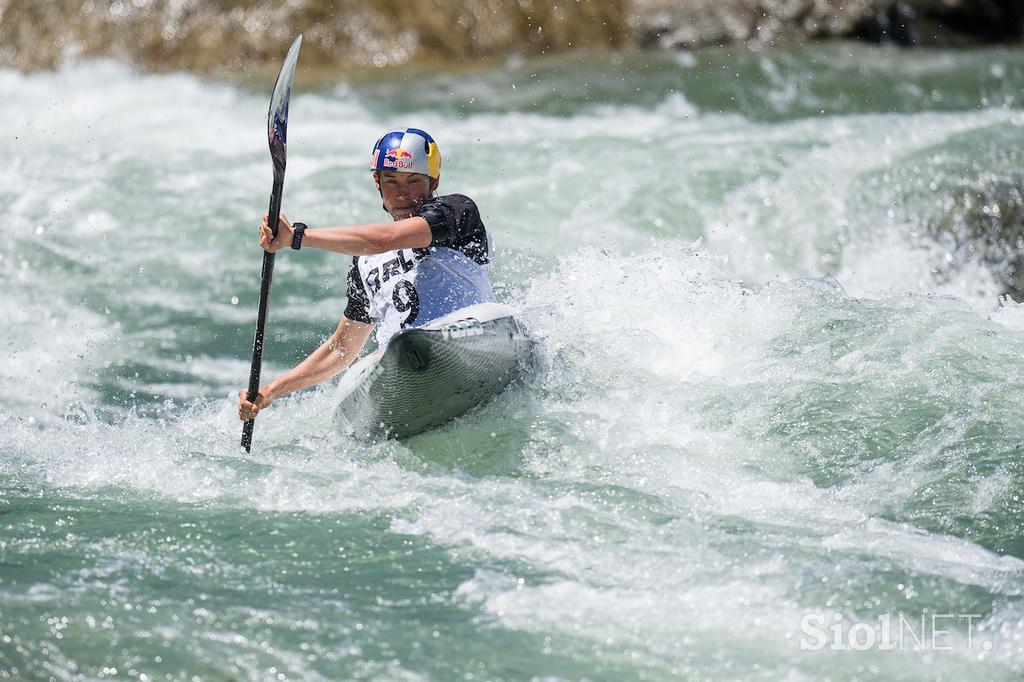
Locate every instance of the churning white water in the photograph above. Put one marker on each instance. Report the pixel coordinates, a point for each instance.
(776, 434)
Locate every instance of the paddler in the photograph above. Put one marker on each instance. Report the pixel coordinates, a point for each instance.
(430, 260)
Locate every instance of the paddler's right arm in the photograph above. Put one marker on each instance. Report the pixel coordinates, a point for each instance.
(333, 355)
(352, 240)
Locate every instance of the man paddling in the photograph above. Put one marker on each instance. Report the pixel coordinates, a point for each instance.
(429, 261)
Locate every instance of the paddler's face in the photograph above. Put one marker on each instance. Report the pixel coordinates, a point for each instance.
(403, 193)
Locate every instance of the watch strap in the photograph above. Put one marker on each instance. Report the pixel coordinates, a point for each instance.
(298, 230)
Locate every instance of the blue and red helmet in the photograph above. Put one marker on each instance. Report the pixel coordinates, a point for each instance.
(407, 150)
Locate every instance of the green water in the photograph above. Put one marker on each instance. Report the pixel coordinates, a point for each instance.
(776, 402)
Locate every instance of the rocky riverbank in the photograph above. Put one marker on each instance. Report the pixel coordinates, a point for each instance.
(232, 35)
(945, 23)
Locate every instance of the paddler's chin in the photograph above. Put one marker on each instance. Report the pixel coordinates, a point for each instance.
(403, 213)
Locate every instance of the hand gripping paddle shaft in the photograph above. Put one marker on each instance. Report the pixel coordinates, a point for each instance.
(277, 134)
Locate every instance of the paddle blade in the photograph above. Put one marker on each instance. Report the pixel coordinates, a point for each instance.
(277, 117)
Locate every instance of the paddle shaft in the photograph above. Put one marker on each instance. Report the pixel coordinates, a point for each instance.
(261, 317)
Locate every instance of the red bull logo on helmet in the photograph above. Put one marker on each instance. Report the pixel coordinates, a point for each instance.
(406, 150)
(398, 158)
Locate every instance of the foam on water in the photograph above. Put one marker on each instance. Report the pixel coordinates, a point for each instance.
(656, 484)
(718, 442)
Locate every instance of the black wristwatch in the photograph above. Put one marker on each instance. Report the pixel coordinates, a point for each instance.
(298, 229)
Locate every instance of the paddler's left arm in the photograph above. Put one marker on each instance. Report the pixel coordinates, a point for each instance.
(353, 240)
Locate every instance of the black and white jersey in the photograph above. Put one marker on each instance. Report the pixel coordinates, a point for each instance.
(412, 287)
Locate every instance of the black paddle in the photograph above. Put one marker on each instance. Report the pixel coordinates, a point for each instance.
(277, 134)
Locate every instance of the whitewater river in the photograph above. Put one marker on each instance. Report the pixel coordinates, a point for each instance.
(777, 432)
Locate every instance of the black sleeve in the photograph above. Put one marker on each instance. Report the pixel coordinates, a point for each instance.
(455, 222)
(358, 307)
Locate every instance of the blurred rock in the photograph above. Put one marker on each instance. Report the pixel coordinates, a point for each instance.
(983, 221)
(226, 35)
(968, 22)
(692, 23)
(892, 26)
(664, 23)
(949, 23)
(211, 36)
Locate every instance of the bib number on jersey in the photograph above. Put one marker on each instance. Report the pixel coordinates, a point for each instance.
(406, 300)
